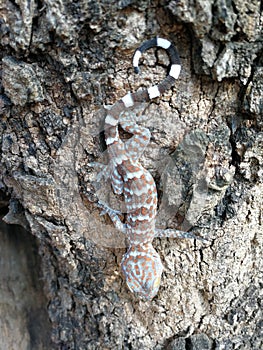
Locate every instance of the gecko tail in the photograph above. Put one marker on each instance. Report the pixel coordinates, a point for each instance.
(164, 44)
(145, 95)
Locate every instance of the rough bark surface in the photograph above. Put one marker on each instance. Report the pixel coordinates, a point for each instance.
(61, 61)
(24, 322)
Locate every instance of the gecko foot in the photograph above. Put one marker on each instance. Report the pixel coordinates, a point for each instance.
(104, 171)
(96, 165)
(107, 210)
(114, 215)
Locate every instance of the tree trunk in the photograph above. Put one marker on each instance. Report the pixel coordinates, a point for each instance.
(61, 62)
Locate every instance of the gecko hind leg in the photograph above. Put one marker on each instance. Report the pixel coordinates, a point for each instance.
(117, 182)
(103, 170)
(97, 165)
(109, 171)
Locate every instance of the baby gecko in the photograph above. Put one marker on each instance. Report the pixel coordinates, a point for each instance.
(141, 265)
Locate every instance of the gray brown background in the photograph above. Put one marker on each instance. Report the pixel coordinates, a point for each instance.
(61, 61)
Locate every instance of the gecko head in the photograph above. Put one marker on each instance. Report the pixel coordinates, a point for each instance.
(142, 268)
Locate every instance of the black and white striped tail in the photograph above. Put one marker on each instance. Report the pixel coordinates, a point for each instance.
(167, 83)
(144, 95)
(164, 44)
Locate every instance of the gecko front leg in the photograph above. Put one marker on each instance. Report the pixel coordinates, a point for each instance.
(110, 172)
(173, 233)
(114, 215)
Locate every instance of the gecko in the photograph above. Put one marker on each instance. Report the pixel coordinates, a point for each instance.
(141, 265)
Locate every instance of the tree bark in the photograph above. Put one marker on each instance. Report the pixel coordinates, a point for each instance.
(62, 61)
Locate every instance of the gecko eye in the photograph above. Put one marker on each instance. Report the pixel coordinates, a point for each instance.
(151, 289)
(157, 282)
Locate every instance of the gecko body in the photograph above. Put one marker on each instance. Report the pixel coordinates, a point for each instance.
(141, 265)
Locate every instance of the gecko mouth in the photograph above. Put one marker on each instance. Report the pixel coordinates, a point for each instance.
(146, 296)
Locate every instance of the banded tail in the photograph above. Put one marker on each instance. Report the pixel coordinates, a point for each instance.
(144, 95)
(157, 90)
